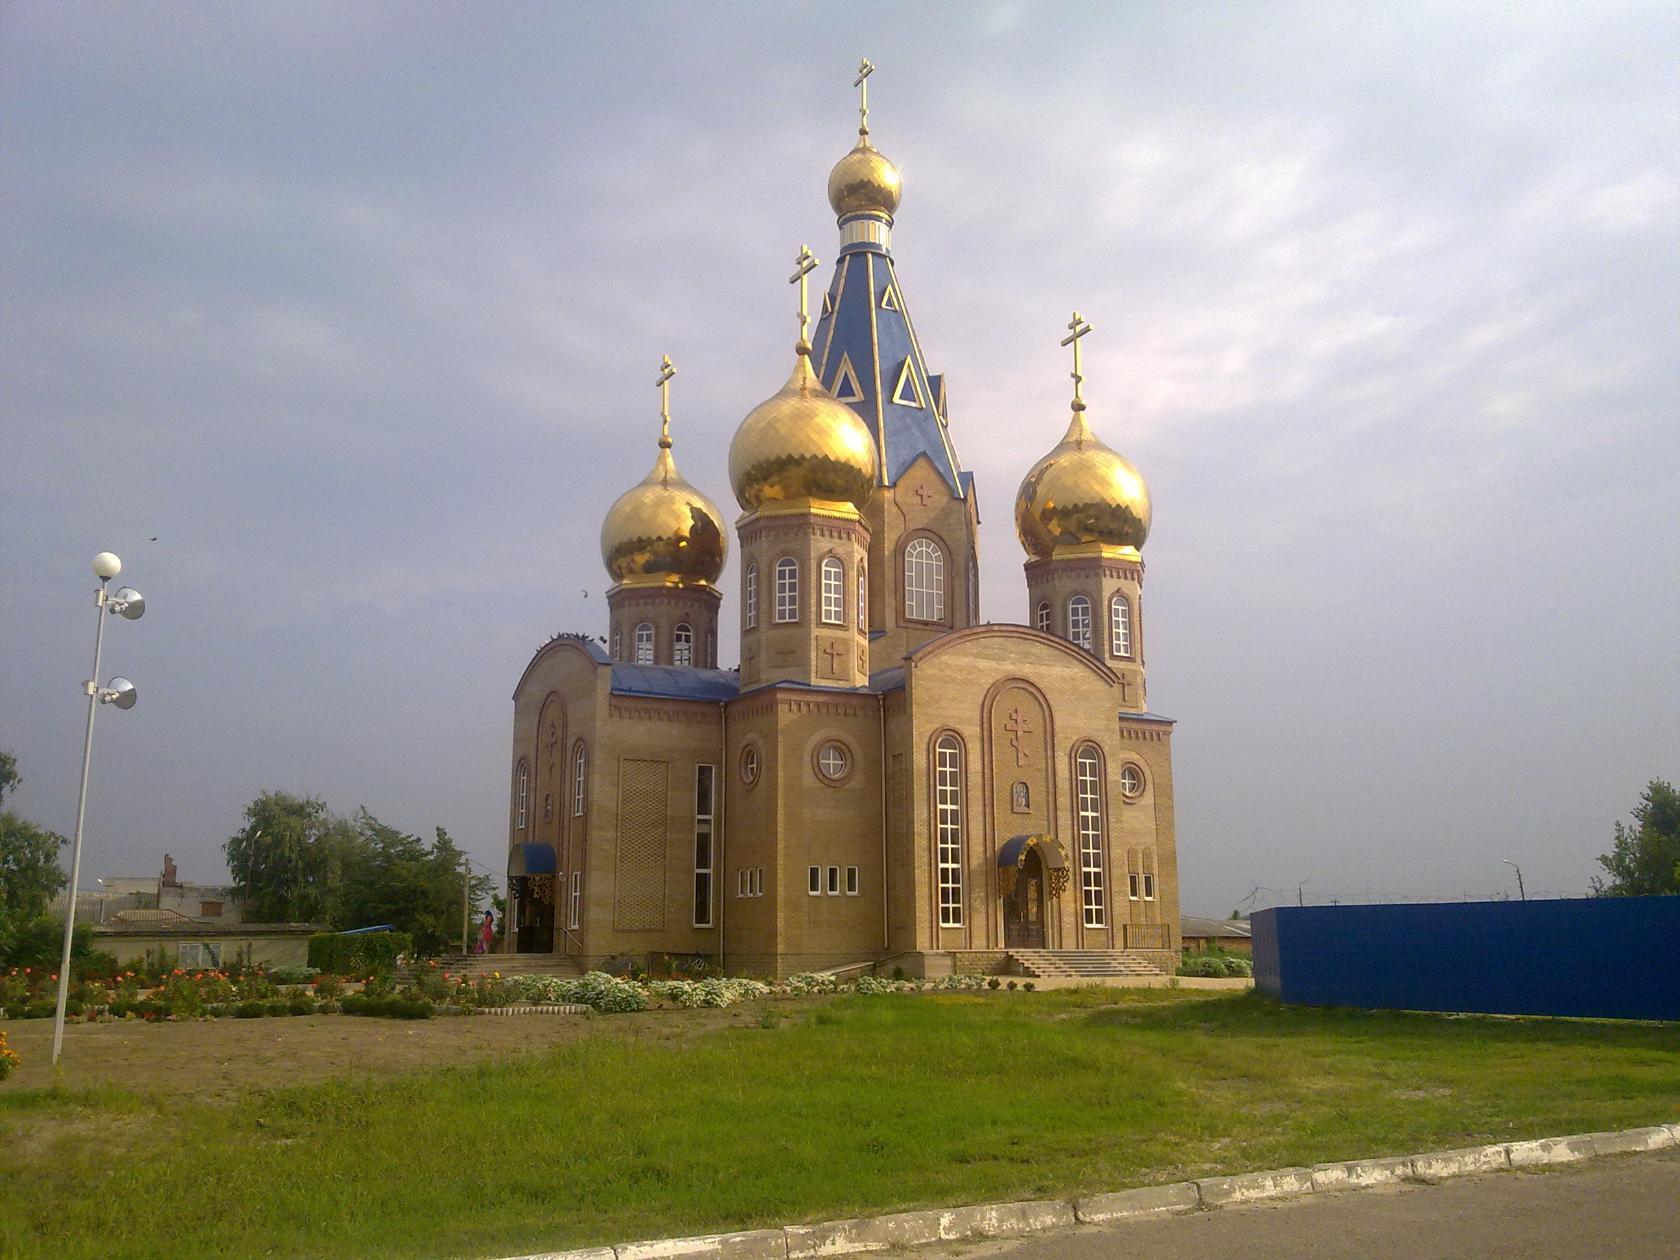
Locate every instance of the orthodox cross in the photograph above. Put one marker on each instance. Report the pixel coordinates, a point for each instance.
(666, 372)
(1017, 726)
(834, 652)
(804, 265)
(1077, 328)
(922, 495)
(866, 68)
(553, 738)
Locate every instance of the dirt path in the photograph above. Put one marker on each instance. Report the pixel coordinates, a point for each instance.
(216, 1058)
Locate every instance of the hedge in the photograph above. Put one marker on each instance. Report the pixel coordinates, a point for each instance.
(371, 953)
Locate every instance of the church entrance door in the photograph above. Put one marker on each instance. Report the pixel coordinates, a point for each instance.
(1023, 908)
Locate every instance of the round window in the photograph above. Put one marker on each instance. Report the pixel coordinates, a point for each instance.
(833, 761)
(749, 765)
(1131, 782)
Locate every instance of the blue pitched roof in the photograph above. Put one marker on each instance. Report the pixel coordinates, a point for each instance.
(675, 682)
(866, 336)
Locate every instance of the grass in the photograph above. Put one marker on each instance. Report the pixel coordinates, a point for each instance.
(854, 1106)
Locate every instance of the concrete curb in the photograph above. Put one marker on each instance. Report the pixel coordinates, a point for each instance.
(1004, 1220)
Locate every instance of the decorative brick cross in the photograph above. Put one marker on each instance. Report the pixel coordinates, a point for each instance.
(834, 652)
(1124, 684)
(922, 495)
(1017, 726)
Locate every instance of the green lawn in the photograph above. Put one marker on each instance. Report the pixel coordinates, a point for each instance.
(816, 1112)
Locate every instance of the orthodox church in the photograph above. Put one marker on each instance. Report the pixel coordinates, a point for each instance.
(886, 778)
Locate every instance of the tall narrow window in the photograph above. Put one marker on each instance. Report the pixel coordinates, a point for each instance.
(924, 580)
(682, 645)
(973, 592)
(1120, 626)
(644, 643)
(750, 596)
(948, 828)
(787, 589)
(1042, 617)
(521, 795)
(618, 644)
(1079, 622)
(574, 897)
(580, 778)
(863, 586)
(1088, 796)
(705, 785)
(711, 647)
(833, 592)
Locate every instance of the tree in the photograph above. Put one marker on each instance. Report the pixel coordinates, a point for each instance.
(287, 860)
(29, 872)
(396, 878)
(1645, 859)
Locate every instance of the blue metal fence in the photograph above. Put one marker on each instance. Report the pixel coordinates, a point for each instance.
(1604, 957)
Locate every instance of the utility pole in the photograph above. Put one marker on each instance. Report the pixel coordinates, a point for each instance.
(466, 901)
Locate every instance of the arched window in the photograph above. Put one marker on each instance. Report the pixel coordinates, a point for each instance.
(644, 643)
(924, 580)
(948, 806)
(750, 596)
(863, 587)
(1042, 617)
(1079, 621)
(833, 592)
(787, 589)
(682, 644)
(1120, 626)
(1088, 800)
(521, 795)
(580, 778)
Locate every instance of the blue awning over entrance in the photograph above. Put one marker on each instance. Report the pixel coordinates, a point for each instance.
(538, 859)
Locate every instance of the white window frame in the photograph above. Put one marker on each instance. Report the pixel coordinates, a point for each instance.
(618, 645)
(758, 881)
(924, 580)
(834, 881)
(1120, 627)
(1079, 621)
(643, 653)
(207, 955)
(787, 590)
(831, 749)
(741, 877)
(813, 881)
(682, 644)
(1042, 616)
(1134, 882)
(1132, 773)
(852, 881)
(1088, 798)
(574, 897)
(705, 841)
(833, 592)
(862, 596)
(521, 795)
(948, 820)
(750, 598)
(580, 779)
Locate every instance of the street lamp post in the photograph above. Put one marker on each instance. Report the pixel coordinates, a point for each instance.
(130, 604)
(1522, 892)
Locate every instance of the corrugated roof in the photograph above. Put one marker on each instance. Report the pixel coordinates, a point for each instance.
(675, 682)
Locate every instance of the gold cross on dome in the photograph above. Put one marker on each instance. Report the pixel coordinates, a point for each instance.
(804, 265)
(1077, 328)
(666, 372)
(866, 68)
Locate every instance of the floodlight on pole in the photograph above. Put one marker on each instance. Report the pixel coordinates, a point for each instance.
(131, 605)
(1522, 892)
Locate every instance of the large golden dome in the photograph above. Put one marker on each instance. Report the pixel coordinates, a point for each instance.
(802, 444)
(864, 180)
(663, 531)
(1081, 492)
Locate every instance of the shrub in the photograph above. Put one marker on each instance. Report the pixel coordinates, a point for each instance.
(8, 1057)
(328, 988)
(364, 954)
(1012, 986)
(994, 983)
(250, 1010)
(388, 1007)
(293, 975)
(1028, 985)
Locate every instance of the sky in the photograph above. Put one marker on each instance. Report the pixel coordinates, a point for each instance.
(340, 324)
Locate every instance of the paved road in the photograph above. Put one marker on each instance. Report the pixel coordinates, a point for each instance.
(1618, 1208)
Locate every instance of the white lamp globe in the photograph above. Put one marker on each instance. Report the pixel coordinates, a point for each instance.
(106, 566)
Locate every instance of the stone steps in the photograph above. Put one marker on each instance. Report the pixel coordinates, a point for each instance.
(1047, 964)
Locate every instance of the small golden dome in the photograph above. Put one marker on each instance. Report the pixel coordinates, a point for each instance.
(864, 180)
(1081, 492)
(664, 531)
(802, 444)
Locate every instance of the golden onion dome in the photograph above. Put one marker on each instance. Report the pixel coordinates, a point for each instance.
(864, 180)
(662, 531)
(1081, 492)
(801, 443)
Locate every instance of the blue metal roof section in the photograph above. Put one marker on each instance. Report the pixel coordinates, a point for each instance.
(675, 682)
(866, 331)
